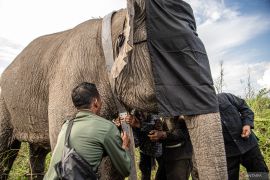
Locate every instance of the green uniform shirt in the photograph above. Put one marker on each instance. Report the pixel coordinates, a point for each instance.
(91, 136)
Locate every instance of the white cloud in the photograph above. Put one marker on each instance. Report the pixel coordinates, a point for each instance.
(224, 29)
(236, 75)
(265, 79)
(8, 51)
(22, 21)
(223, 35)
(210, 10)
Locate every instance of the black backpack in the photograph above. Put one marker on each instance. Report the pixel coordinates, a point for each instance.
(72, 166)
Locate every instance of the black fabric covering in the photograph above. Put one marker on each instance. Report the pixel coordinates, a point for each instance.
(182, 75)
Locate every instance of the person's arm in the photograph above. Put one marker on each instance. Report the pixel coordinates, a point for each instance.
(247, 115)
(156, 135)
(119, 156)
(174, 135)
(132, 120)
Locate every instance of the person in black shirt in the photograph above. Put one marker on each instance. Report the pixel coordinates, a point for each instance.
(149, 151)
(151, 130)
(142, 124)
(241, 144)
(175, 162)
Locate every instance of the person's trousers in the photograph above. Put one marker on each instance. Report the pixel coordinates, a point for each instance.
(145, 165)
(254, 163)
(173, 170)
(206, 136)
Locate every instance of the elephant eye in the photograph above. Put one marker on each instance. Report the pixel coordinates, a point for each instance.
(120, 40)
(119, 43)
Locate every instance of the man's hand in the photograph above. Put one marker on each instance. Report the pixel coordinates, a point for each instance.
(117, 122)
(126, 140)
(246, 131)
(132, 121)
(156, 135)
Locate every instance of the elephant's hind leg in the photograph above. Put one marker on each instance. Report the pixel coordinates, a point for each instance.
(7, 158)
(9, 147)
(37, 161)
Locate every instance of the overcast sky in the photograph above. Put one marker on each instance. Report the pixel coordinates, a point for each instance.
(234, 31)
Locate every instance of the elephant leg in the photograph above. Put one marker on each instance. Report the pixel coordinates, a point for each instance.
(37, 161)
(208, 145)
(7, 157)
(106, 171)
(9, 147)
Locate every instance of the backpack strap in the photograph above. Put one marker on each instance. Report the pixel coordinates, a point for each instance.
(70, 124)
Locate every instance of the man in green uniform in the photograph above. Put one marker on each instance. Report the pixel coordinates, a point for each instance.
(92, 136)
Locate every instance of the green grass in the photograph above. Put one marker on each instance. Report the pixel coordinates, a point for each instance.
(21, 165)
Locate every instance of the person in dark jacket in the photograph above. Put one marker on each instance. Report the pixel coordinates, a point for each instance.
(149, 151)
(175, 162)
(241, 144)
(142, 124)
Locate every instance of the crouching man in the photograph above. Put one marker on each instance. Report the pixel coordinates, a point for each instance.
(91, 135)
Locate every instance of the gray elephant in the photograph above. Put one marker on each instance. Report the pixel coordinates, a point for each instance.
(35, 97)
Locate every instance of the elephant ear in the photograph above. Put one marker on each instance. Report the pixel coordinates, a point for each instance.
(124, 50)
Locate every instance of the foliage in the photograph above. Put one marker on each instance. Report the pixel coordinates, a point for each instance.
(21, 166)
(260, 104)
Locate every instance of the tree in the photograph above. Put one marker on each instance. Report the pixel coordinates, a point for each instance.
(219, 82)
(249, 90)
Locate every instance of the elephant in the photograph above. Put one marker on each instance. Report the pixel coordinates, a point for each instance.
(36, 86)
(35, 97)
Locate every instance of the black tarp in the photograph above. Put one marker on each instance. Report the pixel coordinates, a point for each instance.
(182, 75)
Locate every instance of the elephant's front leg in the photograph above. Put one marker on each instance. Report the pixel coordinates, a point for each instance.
(106, 171)
(205, 132)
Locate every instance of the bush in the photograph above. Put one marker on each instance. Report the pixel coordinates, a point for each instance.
(261, 107)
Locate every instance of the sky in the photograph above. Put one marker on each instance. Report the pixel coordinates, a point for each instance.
(236, 32)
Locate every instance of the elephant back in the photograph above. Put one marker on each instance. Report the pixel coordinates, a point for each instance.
(37, 85)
